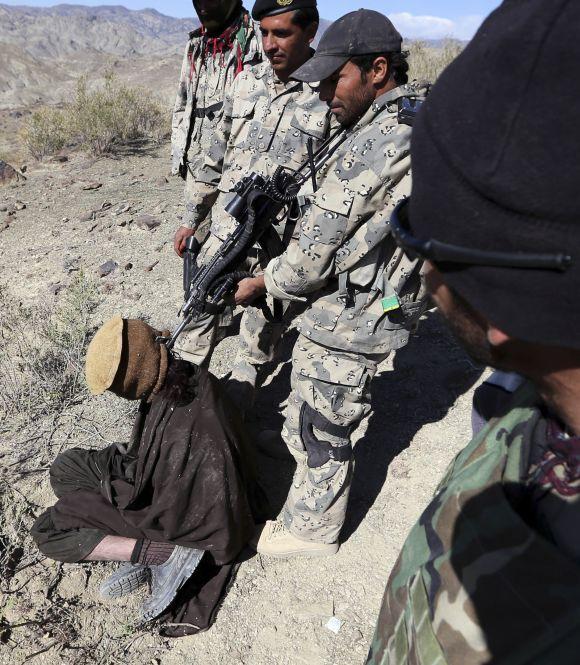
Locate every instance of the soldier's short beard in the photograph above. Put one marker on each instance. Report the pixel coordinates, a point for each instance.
(359, 103)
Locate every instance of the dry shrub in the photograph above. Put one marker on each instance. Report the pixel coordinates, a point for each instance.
(46, 132)
(427, 62)
(113, 115)
(41, 354)
(99, 120)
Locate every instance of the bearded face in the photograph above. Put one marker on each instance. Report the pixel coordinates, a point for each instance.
(215, 15)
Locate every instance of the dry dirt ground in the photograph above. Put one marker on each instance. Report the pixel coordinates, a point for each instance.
(276, 611)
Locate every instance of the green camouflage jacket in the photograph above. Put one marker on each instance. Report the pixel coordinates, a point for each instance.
(365, 293)
(265, 124)
(474, 583)
(203, 84)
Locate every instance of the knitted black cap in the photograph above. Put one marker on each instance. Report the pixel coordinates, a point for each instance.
(264, 8)
(496, 166)
(363, 32)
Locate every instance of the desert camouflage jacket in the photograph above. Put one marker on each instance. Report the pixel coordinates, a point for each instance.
(265, 124)
(474, 582)
(364, 290)
(203, 84)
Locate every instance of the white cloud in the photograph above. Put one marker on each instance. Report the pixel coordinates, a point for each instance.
(435, 27)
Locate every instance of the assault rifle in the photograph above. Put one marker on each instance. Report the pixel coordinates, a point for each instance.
(257, 203)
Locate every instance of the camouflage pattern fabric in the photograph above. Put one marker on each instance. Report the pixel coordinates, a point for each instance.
(337, 385)
(368, 293)
(203, 84)
(266, 124)
(475, 583)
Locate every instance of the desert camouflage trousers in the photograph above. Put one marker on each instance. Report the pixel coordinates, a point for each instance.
(336, 385)
(202, 230)
(258, 336)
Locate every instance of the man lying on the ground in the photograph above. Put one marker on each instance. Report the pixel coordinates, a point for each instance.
(491, 571)
(177, 505)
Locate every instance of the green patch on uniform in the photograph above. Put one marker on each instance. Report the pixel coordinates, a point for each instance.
(391, 303)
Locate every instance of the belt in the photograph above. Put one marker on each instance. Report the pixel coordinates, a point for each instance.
(208, 111)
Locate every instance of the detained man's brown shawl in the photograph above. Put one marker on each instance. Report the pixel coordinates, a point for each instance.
(188, 480)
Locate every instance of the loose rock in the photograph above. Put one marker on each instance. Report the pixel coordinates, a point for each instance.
(92, 185)
(8, 174)
(88, 216)
(147, 222)
(107, 268)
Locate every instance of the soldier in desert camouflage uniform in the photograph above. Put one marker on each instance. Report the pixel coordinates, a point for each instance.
(365, 294)
(491, 571)
(226, 44)
(267, 122)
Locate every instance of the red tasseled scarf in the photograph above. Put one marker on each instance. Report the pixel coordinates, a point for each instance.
(218, 46)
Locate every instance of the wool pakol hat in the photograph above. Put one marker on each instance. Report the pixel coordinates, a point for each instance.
(496, 166)
(264, 8)
(125, 358)
(364, 32)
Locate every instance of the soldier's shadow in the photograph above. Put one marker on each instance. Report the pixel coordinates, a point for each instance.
(428, 376)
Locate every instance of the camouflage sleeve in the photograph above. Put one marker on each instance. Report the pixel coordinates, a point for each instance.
(178, 112)
(205, 188)
(345, 221)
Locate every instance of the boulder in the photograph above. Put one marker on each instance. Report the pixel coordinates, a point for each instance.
(9, 174)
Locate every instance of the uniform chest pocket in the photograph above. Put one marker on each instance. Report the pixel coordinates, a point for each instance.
(242, 118)
(291, 146)
(328, 219)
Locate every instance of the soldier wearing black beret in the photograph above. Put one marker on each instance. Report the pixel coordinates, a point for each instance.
(264, 8)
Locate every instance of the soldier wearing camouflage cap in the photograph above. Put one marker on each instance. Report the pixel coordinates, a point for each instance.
(364, 295)
(226, 43)
(268, 121)
(490, 573)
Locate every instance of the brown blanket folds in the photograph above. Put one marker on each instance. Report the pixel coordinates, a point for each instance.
(187, 478)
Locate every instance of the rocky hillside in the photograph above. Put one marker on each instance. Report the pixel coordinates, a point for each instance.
(44, 50)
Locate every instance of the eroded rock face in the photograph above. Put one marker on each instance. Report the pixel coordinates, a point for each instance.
(8, 173)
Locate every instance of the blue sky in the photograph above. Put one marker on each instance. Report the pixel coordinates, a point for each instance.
(414, 18)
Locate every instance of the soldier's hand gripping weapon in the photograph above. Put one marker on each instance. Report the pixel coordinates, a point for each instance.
(257, 203)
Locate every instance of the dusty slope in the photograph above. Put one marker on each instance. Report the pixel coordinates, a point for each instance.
(276, 611)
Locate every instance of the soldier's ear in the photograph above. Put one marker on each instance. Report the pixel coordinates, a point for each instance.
(311, 32)
(380, 71)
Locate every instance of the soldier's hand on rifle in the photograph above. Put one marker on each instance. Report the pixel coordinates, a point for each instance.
(181, 235)
(249, 289)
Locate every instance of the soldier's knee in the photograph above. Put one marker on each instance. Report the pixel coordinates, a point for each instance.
(319, 451)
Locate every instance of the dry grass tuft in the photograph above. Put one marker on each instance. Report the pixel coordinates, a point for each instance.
(41, 353)
(427, 62)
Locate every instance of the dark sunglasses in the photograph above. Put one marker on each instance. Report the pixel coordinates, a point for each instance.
(433, 250)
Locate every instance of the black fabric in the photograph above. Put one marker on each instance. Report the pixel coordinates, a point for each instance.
(193, 484)
(496, 166)
(320, 452)
(264, 8)
(363, 32)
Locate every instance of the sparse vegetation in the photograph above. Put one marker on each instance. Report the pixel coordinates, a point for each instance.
(41, 353)
(427, 61)
(99, 120)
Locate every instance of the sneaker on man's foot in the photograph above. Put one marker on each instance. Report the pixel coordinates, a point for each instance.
(278, 542)
(125, 580)
(168, 578)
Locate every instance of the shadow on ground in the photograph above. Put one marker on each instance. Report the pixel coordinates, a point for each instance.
(428, 376)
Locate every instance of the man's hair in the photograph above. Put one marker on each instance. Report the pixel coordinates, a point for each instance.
(305, 17)
(397, 62)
